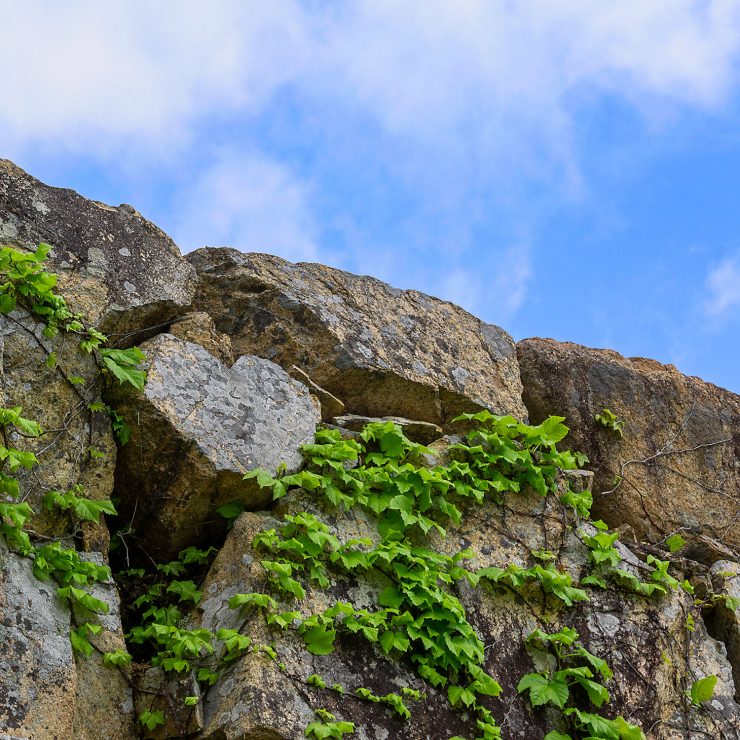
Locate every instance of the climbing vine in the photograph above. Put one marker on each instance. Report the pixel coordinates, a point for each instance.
(27, 288)
(409, 498)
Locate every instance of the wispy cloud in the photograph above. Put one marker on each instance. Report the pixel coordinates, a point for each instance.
(723, 289)
(147, 74)
(250, 203)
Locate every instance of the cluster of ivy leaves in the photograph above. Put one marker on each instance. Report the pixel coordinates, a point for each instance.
(418, 619)
(26, 286)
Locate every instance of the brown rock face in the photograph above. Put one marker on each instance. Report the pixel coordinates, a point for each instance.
(115, 266)
(380, 350)
(77, 446)
(679, 455)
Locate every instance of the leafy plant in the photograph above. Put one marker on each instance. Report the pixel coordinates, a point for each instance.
(151, 719)
(329, 726)
(702, 690)
(564, 665)
(609, 420)
(88, 510)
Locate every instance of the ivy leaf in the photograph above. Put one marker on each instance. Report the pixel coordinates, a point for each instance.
(185, 590)
(7, 303)
(320, 639)
(118, 658)
(703, 689)
(675, 542)
(543, 691)
(125, 374)
(89, 510)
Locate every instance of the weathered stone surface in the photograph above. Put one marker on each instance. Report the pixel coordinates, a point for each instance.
(157, 691)
(198, 328)
(44, 691)
(331, 406)
(195, 430)
(72, 432)
(723, 621)
(37, 670)
(381, 350)
(680, 453)
(123, 272)
(418, 431)
(104, 707)
(645, 641)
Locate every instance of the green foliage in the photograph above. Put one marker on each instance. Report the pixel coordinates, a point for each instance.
(329, 727)
(549, 578)
(609, 420)
(675, 543)
(394, 701)
(151, 719)
(88, 510)
(564, 664)
(123, 364)
(79, 638)
(381, 472)
(702, 690)
(117, 658)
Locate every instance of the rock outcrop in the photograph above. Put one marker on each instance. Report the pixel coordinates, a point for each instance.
(120, 270)
(676, 465)
(77, 446)
(380, 350)
(247, 356)
(195, 430)
(644, 641)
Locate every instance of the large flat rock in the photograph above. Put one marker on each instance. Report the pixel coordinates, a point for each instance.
(195, 430)
(380, 350)
(122, 271)
(679, 455)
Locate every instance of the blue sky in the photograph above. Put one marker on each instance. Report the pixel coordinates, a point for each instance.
(563, 168)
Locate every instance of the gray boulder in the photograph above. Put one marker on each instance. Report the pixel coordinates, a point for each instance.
(195, 430)
(46, 691)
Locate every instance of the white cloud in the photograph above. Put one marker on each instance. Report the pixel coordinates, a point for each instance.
(83, 74)
(723, 288)
(250, 203)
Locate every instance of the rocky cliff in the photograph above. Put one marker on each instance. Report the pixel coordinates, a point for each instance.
(313, 505)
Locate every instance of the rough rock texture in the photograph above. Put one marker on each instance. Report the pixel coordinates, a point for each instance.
(36, 663)
(379, 349)
(331, 406)
(44, 691)
(418, 431)
(724, 622)
(255, 699)
(104, 707)
(48, 396)
(195, 430)
(118, 268)
(686, 433)
(166, 692)
(198, 328)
